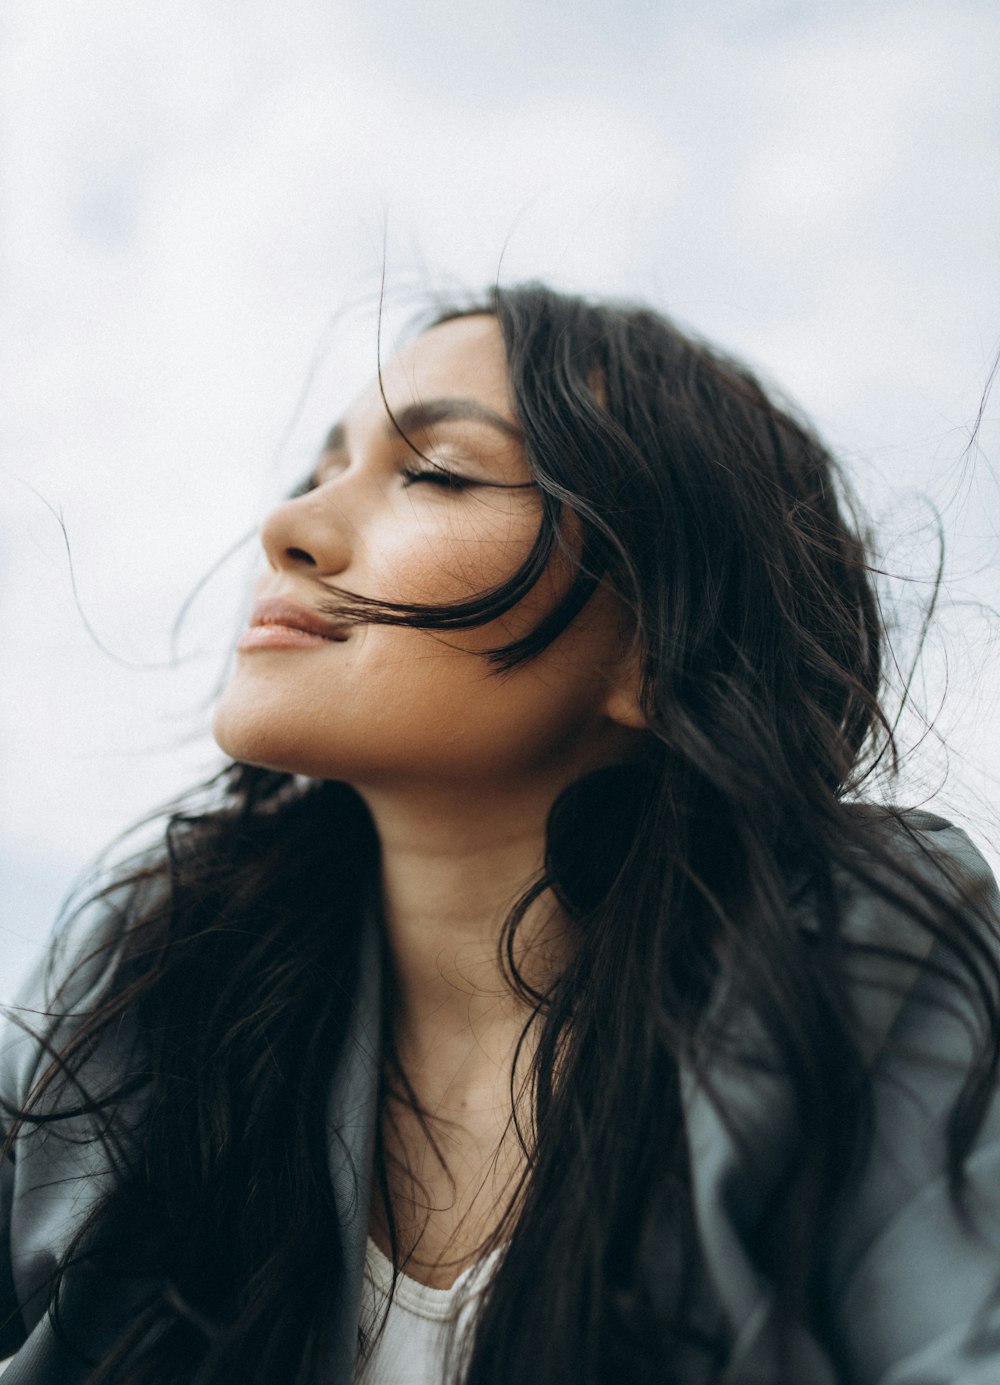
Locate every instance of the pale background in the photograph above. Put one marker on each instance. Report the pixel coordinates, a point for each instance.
(190, 191)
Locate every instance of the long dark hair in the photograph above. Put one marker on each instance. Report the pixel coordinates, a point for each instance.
(222, 973)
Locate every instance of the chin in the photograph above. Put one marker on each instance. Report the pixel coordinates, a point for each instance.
(253, 734)
(252, 737)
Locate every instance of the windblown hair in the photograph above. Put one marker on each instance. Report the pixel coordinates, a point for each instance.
(225, 965)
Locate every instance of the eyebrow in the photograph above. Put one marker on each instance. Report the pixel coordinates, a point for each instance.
(414, 418)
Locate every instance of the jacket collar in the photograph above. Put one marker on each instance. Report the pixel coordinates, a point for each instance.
(351, 1112)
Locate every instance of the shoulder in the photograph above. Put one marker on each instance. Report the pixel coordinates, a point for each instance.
(935, 852)
(57, 1169)
(921, 923)
(919, 915)
(912, 1264)
(64, 986)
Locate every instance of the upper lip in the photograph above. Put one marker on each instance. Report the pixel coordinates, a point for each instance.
(278, 610)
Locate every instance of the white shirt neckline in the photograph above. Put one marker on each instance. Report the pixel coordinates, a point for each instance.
(424, 1300)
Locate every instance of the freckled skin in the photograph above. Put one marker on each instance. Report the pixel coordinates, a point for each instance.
(392, 705)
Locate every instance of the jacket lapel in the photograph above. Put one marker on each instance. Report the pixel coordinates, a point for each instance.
(352, 1104)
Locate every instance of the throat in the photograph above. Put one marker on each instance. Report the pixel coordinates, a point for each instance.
(451, 1168)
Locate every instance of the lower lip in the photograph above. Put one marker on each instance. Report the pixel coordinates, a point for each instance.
(280, 637)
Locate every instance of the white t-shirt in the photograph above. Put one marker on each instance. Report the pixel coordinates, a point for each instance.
(411, 1347)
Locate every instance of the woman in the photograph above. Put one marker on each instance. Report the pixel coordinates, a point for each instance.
(536, 957)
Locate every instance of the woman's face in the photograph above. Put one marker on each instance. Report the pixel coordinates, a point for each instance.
(381, 704)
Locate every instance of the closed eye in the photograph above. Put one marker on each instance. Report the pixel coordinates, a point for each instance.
(434, 475)
(437, 476)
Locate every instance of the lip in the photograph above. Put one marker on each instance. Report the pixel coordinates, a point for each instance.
(277, 623)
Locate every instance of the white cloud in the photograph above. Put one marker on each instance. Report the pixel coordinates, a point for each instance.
(190, 191)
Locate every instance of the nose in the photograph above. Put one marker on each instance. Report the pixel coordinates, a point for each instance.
(308, 532)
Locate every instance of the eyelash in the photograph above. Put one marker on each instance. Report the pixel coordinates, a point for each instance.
(438, 476)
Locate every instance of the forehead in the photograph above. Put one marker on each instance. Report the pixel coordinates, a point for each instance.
(460, 359)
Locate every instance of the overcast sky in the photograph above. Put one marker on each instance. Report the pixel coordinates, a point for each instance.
(196, 199)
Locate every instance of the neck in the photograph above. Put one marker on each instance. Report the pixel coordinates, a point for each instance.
(452, 868)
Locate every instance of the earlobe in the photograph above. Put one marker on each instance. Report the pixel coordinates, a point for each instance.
(623, 704)
(624, 708)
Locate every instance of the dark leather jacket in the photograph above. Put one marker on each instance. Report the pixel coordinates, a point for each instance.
(912, 1290)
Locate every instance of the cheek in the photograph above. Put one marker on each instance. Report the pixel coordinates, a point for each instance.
(439, 555)
(446, 712)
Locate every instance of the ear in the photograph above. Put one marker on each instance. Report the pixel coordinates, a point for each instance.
(623, 703)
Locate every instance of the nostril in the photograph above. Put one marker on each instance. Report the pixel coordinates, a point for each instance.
(299, 555)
